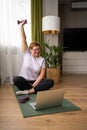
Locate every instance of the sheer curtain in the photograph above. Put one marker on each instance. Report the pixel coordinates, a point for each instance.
(10, 43)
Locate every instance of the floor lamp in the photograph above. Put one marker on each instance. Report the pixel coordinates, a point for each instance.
(51, 28)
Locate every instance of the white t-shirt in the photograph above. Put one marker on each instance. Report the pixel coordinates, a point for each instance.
(31, 66)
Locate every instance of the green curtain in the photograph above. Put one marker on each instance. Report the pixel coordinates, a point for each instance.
(36, 22)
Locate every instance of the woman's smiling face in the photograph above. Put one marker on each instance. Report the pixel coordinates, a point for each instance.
(35, 51)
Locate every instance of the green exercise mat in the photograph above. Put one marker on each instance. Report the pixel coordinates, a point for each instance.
(27, 111)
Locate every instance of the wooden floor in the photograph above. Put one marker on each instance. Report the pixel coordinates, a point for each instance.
(75, 90)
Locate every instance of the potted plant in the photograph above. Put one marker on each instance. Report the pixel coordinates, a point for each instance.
(53, 57)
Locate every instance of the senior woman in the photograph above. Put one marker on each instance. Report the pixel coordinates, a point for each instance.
(31, 78)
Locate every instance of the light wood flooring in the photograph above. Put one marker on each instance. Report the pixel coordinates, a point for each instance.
(75, 90)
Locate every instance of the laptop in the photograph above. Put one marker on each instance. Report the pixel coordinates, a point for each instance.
(48, 99)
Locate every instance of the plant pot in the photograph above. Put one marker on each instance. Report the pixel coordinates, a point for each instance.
(54, 74)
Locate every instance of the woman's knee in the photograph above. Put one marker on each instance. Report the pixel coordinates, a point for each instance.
(14, 80)
(17, 80)
(50, 82)
(44, 85)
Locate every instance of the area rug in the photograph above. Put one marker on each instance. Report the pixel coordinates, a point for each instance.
(27, 111)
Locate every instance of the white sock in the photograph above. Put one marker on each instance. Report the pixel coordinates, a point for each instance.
(22, 92)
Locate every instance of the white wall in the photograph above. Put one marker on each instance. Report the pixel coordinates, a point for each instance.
(50, 7)
(70, 19)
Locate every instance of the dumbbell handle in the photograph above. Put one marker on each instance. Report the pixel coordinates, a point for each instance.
(18, 21)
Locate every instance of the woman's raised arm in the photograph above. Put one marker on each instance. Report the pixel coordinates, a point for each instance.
(23, 36)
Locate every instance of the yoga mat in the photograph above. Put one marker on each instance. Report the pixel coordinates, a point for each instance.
(28, 111)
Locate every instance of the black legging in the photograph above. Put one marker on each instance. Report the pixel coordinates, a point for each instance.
(24, 84)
